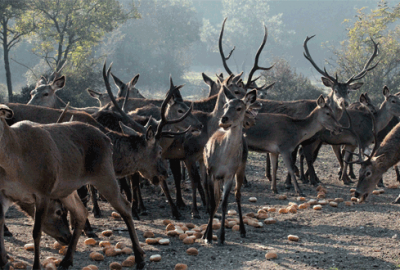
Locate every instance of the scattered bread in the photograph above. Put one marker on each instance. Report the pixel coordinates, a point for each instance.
(30, 247)
(90, 242)
(232, 213)
(333, 204)
(198, 235)
(166, 222)
(262, 211)
(271, 255)
(269, 221)
(93, 267)
(216, 226)
(230, 224)
(128, 263)
(105, 244)
(151, 241)
(252, 199)
(354, 199)
(292, 209)
(49, 266)
(262, 216)
(393, 186)
(301, 199)
(292, 237)
(164, 241)
(338, 200)
(115, 215)
(303, 206)
(236, 228)
(96, 256)
(111, 252)
(127, 250)
(107, 233)
(193, 251)
(282, 197)
(272, 209)
(283, 211)
(63, 250)
(312, 202)
(183, 236)
(115, 266)
(148, 234)
(352, 190)
(317, 207)
(155, 258)
(251, 215)
(172, 233)
(170, 227)
(323, 202)
(348, 203)
(19, 265)
(188, 241)
(181, 266)
(131, 258)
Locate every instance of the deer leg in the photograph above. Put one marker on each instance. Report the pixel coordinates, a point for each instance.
(274, 163)
(288, 182)
(83, 193)
(212, 207)
(238, 196)
(96, 208)
(122, 206)
(196, 185)
(126, 188)
(268, 167)
(7, 232)
(183, 172)
(79, 216)
(338, 154)
(308, 154)
(4, 205)
(345, 177)
(174, 209)
(40, 211)
(175, 166)
(287, 158)
(351, 168)
(396, 168)
(225, 196)
(303, 178)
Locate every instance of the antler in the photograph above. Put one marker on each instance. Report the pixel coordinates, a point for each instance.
(256, 66)
(366, 69)
(62, 115)
(309, 58)
(221, 51)
(133, 123)
(164, 120)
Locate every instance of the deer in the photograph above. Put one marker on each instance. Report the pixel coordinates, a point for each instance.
(74, 154)
(225, 156)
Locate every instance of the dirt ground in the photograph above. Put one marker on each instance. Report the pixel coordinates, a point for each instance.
(362, 236)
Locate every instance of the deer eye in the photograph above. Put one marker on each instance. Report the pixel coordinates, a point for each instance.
(59, 212)
(45, 94)
(180, 111)
(393, 101)
(368, 174)
(239, 109)
(328, 114)
(237, 92)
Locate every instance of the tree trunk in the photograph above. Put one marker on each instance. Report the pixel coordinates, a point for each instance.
(7, 61)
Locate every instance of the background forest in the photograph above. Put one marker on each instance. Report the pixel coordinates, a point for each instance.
(157, 38)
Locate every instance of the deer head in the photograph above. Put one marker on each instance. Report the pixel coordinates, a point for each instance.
(124, 87)
(44, 93)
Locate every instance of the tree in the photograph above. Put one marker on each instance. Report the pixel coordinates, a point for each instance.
(12, 28)
(380, 25)
(289, 85)
(159, 44)
(244, 30)
(70, 29)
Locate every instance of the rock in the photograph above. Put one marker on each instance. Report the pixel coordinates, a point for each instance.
(155, 258)
(115, 266)
(292, 237)
(192, 251)
(96, 256)
(90, 242)
(271, 255)
(107, 233)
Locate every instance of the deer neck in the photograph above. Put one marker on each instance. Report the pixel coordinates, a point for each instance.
(9, 147)
(383, 117)
(308, 126)
(337, 110)
(233, 142)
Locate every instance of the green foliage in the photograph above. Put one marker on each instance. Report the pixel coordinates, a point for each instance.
(381, 25)
(289, 85)
(70, 29)
(157, 45)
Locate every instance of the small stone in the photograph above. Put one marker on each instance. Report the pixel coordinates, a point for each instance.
(191, 225)
(120, 245)
(236, 228)
(272, 209)
(283, 211)
(338, 200)
(128, 263)
(303, 206)
(170, 227)
(19, 265)
(271, 255)
(172, 233)
(312, 202)
(151, 241)
(252, 199)
(148, 234)
(57, 245)
(127, 251)
(323, 202)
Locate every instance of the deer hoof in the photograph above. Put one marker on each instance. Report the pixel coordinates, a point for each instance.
(196, 215)
(288, 186)
(91, 234)
(140, 265)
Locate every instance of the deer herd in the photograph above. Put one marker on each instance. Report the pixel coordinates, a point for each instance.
(49, 163)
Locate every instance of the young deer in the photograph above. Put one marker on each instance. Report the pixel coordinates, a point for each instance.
(280, 134)
(225, 155)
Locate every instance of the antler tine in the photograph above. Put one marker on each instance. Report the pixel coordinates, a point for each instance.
(307, 55)
(366, 69)
(264, 87)
(221, 51)
(62, 115)
(253, 81)
(133, 123)
(256, 66)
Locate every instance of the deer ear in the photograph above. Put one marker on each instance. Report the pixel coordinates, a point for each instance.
(150, 135)
(227, 93)
(59, 83)
(127, 130)
(363, 99)
(327, 82)
(250, 98)
(6, 112)
(134, 81)
(355, 86)
(321, 101)
(386, 91)
(207, 79)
